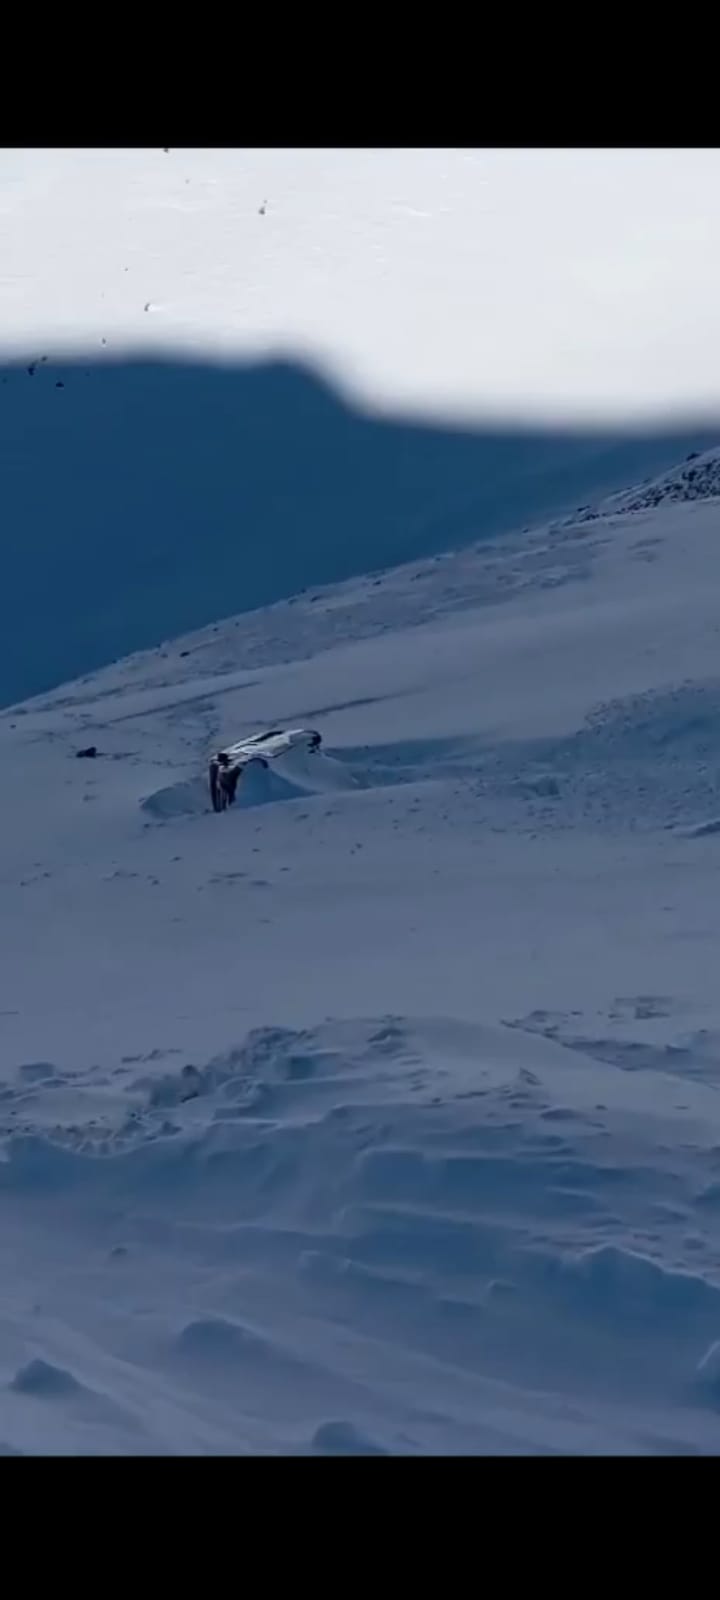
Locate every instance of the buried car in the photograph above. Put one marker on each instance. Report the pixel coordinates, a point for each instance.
(227, 765)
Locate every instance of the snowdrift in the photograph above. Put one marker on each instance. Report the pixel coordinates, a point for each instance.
(288, 777)
(435, 1232)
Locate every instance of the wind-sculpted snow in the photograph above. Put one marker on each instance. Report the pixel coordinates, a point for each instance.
(380, 1113)
(287, 777)
(258, 1246)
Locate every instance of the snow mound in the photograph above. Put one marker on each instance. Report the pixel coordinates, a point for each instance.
(183, 799)
(342, 1439)
(697, 479)
(288, 777)
(612, 1281)
(45, 1379)
(313, 772)
(417, 1238)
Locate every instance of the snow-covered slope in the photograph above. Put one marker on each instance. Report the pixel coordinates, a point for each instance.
(228, 375)
(141, 498)
(385, 1118)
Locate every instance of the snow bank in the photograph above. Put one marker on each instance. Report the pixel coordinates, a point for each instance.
(431, 1229)
(287, 777)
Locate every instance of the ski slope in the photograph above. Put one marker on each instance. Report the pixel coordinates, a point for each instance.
(381, 1118)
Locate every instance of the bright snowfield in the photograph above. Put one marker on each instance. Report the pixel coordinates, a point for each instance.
(380, 1114)
(475, 282)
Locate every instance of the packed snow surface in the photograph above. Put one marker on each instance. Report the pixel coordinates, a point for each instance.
(382, 1115)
